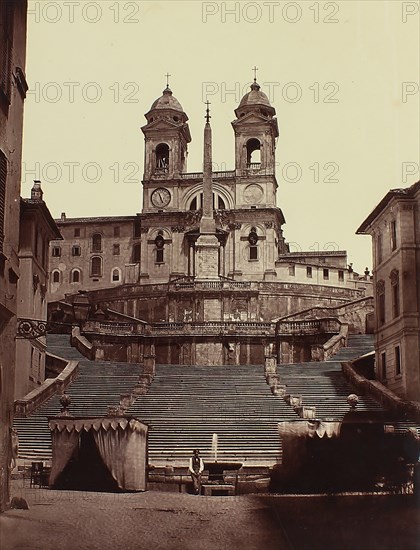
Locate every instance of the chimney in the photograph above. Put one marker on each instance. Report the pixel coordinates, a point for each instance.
(36, 191)
(63, 216)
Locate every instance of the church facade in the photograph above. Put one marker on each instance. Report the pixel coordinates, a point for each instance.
(208, 246)
(159, 244)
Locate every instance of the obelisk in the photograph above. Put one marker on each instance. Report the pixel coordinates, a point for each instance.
(207, 245)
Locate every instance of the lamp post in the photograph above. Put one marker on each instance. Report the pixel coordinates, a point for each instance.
(35, 328)
(81, 306)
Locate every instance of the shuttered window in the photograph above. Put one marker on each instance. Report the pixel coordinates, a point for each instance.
(96, 267)
(6, 49)
(3, 177)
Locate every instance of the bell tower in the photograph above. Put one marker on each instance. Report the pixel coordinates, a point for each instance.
(165, 154)
(256, 131)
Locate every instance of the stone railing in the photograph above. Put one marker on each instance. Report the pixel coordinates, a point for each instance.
(376, 390)
(82, 344)
(117, 328)
(212, 328)
(192, 175)
(336, 342)
(309, 326)
(253, 166)
(220, 174)
(216, 175)
(113, 315)
(222, 328)
(26, 405)
(329, 311)
(110, 295)
(322, 352)
(213, 285)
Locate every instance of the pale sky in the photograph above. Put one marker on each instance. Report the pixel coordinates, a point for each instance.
(343, 77)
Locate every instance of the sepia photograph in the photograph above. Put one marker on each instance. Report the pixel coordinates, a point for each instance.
(209, 275)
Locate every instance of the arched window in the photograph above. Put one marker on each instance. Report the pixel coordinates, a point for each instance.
(96, 266)
(220, 205)
(253, 153)
(56, 276)
(75, 276)
(116, 275)
(162, 157)
(253, 244)
(160, 248)
(193, 204)
(97, 243)
(197, 202)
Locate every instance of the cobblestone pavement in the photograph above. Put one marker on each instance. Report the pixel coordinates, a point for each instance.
(64, 520)
(153, 520)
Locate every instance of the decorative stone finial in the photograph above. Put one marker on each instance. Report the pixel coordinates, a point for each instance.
(353, 400)
(65, 402)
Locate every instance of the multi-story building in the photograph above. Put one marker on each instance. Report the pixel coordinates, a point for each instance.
(13, 89)
(159, 244)
(394, 225)
(37, 228)
(207, 246)
(94, 253)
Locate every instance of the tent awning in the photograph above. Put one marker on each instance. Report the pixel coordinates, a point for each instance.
(88, 423)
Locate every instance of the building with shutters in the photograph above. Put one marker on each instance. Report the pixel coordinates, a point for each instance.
(36, 230)
(13, 89)
(394, 226)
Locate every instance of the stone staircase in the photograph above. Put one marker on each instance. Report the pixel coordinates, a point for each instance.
(357, 345)
(322, 384)
(186, 405)
(98, 386)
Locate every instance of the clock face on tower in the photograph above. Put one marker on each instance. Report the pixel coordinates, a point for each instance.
(161, 197)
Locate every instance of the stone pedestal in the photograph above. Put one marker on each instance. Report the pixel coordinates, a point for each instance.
(207, 257)
(149, 364)
(270, 275)
(270, 365)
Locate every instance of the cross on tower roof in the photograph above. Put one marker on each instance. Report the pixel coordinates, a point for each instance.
(255, 69)
(167, 79)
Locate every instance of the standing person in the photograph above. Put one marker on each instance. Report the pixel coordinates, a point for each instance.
(196, 467)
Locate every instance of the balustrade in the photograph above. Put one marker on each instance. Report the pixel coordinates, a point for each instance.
(192, 175)
(212, 285)
(231, 328)
(216, 175)
(121, 329)
(309, 326)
